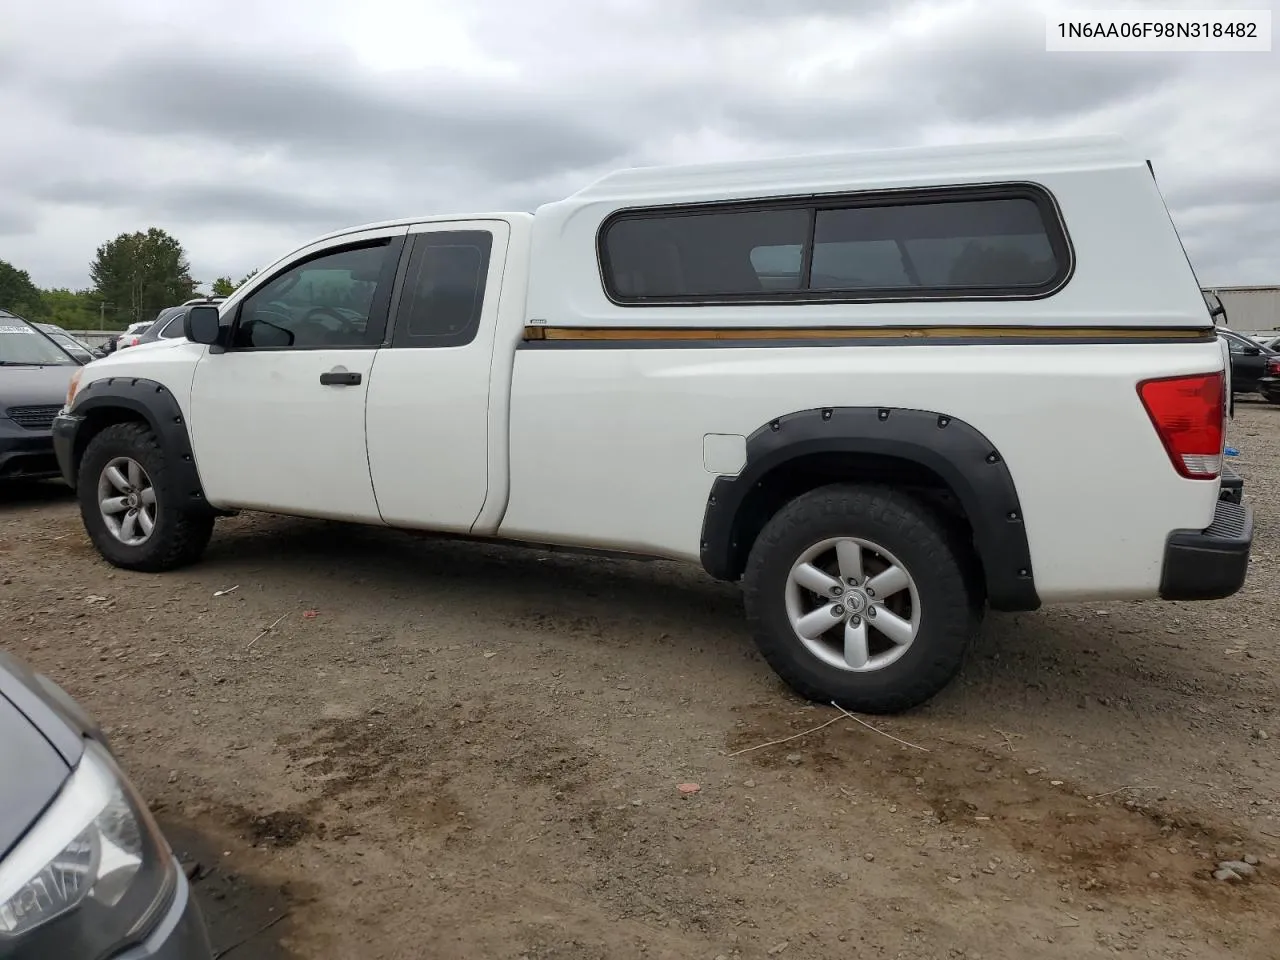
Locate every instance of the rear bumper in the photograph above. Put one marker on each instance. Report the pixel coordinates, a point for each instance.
(1269, 387)
(1211, 563)
(1232, 485)
(25, 454)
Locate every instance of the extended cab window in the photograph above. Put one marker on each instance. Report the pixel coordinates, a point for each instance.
(948, 243)
(443, 291)
(325, 301)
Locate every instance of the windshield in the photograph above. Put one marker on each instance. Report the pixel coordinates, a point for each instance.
(68, 342)
(21, 343)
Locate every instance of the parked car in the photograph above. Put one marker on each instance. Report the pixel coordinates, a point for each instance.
(1269, 382)
(797, 373)
(34, 375)
(85, 872)
(1248, 361)
(168, 324)
(80, 351)
(132, 334)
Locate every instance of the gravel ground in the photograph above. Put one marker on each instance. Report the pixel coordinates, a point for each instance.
(453, 750)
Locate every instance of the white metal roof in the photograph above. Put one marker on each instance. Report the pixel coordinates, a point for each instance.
(823, 171)
(817, 172)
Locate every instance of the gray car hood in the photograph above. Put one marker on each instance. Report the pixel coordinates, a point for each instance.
(34, 386)
(41, 739)
(31, 773)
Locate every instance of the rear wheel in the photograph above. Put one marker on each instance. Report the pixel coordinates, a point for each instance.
(132, 509)
(863, 596)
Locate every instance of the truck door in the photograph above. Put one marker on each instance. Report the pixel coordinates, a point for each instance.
(428, 403)
(277, 418)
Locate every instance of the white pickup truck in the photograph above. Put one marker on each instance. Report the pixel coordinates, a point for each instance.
(883, 390)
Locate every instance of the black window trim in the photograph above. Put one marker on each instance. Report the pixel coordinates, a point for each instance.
(1050, 212)
(378, 308)
(396, 338)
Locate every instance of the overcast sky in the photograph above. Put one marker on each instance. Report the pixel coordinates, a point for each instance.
(247, 127)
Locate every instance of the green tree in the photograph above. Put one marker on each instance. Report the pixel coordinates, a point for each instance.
(17, 293)
(78, 310)
(225, 286)
(142, 273)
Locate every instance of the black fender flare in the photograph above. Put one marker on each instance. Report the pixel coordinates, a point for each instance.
(149, 401)
(956, 452)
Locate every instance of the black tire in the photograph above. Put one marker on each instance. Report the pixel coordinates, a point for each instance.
(944, 570)
(181, 531)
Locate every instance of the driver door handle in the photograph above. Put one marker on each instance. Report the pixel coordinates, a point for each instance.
(339, 378)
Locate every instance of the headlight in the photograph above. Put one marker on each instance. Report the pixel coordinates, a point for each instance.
(92, 875)
(73, 386)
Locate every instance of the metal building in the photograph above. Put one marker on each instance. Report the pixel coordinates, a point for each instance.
(1249, 309)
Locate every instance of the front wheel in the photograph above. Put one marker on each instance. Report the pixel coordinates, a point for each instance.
(861, 595)
(131, 506)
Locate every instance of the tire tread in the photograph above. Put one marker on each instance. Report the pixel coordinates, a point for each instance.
(183, 534)
(939, 553)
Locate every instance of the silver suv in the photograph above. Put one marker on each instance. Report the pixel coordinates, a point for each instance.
(168, 322)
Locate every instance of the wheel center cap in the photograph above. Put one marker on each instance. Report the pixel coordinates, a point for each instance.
(856, 601)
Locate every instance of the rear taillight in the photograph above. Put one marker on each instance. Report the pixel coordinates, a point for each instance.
(1188, 415)
(1273, 366)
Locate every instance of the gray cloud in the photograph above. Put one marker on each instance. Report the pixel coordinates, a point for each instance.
(764, 11)
(316, 108)
(1244, 192)
(244, 143)
(204, 202)
(980, 81)
(16, 217)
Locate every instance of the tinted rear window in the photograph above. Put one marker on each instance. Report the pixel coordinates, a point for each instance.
(950, 245)
(443, 292)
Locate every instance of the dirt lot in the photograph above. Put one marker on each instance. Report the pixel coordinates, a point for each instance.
(461, 751)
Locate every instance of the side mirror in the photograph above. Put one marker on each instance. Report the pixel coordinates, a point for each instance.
(1252, 351)
(201, 325)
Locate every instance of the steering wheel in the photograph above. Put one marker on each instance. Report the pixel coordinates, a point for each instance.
(274, 310)
(317, 315)
(329, 325)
